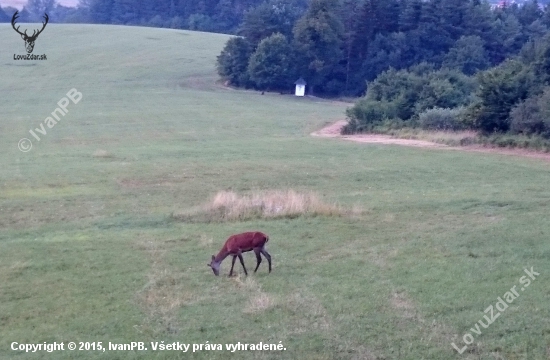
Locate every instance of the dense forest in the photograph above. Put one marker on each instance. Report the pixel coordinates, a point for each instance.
(437, 65)
(433, 64)
(339, 45)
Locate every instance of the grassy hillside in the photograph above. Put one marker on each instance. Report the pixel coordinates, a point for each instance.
(90, 250)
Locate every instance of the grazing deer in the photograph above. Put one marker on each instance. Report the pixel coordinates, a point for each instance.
(238, 244)
(29, 40)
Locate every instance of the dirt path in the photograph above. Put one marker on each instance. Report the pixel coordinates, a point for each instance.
(333, 131)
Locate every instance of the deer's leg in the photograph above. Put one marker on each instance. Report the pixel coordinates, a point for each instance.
(242, 263)
(258, 258)
(232, 264)
(267, 256)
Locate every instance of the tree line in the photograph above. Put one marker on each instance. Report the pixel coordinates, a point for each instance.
(34, 10)
(436, 64)
(339, 45)
(484, 82)
(223, 16)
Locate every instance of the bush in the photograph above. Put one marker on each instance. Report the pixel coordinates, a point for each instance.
(532, 116)
(442, 119)
(404, 94)
(471, 113)
(500, 89)
(368, 113)
(467, 55)
(525, 118)
(534, 142)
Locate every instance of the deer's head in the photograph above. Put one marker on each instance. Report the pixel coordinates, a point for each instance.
(29, 40)
(215, 265)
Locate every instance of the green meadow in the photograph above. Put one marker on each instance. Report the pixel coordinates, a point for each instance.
(90, 249)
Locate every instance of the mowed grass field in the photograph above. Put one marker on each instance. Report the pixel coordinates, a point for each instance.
(90, 249)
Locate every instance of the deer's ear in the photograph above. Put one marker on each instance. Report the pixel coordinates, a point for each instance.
(213, 258)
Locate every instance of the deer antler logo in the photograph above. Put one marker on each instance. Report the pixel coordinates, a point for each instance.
(29, 40)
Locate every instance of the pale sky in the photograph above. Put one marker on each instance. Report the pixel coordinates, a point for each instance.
(20, 3)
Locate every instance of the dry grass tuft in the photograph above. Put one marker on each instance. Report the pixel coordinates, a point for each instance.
(271, 204)
(258, 303)
(99, 153)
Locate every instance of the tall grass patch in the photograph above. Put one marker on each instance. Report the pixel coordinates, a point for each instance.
(266, 204)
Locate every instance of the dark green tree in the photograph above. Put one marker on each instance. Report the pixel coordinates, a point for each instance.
(529, 12)
(478, 20)
(435, 40)
(318, 39)
(467, 55)
(126, 12)
(536, 29)
(453, 17)
(540, 55)
(506, 38)
(387, 15)
(269, 66)
(387, 51)
(270, 17)
(225, 17)
(101, 11)
(349, 19)
(546, 16)
(501, 88)
(233, 61)
(532, 116)
(375, 17)
(410, 15)
(200, 22)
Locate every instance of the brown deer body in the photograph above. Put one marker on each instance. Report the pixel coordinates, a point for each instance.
(238, 244)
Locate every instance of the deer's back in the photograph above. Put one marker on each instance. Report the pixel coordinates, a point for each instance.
(246, 241)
